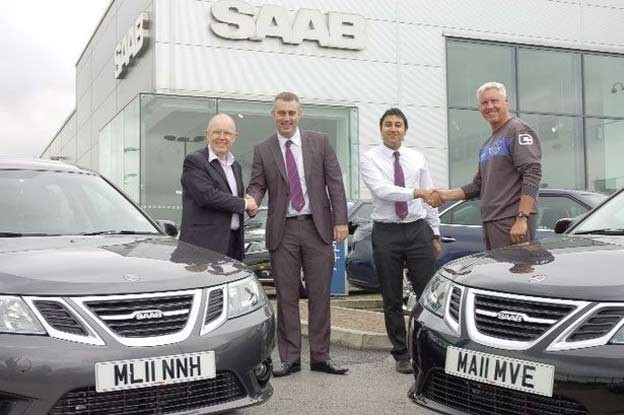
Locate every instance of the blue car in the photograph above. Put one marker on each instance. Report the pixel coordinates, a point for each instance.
(460, 231)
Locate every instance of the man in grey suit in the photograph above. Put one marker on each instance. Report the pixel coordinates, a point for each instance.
(212, 193)
(307, 211)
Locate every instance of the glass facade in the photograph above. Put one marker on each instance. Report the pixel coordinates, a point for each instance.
(574, 101)
(142, 149)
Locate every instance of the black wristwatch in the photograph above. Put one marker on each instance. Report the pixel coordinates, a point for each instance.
(522, 215)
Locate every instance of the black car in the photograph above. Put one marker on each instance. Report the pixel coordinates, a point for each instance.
(535, 328)
(460, 230)
(103, 312)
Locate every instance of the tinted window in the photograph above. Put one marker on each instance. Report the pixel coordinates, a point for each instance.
(552, 208)
(608, 216)
(64, 203)
(466, 213)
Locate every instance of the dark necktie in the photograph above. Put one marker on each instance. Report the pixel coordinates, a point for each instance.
(399, 180)
(296, 192)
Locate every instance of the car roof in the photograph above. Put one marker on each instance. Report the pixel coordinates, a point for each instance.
(7, 163)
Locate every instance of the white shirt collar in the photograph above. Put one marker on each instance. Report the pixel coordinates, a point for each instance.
(388, 152)
(296, 139)
(212, 155)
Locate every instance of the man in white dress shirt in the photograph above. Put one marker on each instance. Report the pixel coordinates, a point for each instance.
(406, 230)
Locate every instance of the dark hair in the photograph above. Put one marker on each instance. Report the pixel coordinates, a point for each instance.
(286, 96)
(393, 111)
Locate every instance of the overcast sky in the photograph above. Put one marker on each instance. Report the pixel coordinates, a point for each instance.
(40, 44)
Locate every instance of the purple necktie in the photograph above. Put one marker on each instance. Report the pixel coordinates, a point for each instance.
(296, 192)
(399, 180)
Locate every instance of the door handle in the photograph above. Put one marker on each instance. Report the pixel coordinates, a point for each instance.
(447, 239)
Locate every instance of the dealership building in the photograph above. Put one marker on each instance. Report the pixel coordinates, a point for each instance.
(155, 71)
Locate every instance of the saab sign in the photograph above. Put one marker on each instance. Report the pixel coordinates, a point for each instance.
(237, 20)
(132, 45)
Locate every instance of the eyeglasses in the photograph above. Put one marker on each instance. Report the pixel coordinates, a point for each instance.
(218, 133)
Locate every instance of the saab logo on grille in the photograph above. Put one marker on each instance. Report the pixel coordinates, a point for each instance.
(148, 314)
(510, 316)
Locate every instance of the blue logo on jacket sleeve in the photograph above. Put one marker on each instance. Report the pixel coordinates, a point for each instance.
(499, 147)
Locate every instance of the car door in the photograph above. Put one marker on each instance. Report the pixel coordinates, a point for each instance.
(460, 231)
(553, 206)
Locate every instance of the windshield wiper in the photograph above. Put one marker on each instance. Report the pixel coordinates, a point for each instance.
(23, 234)
(605, 231)
(117, 232)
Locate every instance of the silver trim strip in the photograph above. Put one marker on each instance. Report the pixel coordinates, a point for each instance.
(524, 316)
(477, 336)
(93, 338)
(454, 325)
(147, 341)
(218, 322)
(561, 343)
(134, 314)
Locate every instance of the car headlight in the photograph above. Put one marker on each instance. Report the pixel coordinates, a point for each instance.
(245, 296)
(16, 317)
(435, 294)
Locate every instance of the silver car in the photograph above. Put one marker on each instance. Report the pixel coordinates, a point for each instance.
(103, 312)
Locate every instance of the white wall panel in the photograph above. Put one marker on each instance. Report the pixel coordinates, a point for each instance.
(102, 115)
(262, 74)
(619, 4)
(104, 83)
(84, 139)
(427, 127)
(139, 78)
(603, 25)
(527, 18)
(420, 44)
(84, 109)
(104, 46)
(84, 75)
(422, 85)
(128, 12)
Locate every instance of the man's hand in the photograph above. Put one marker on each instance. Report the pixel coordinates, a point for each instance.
(519, 231)
(437, 247)
(433, 197)
(340, 232)
(252, 207)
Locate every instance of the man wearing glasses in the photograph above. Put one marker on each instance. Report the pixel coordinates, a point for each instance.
(212, 193)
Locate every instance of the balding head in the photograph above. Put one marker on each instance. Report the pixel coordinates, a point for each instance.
(221, 134)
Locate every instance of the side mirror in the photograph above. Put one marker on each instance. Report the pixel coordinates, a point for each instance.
(352, 227)
(562, 225)
(169, 227)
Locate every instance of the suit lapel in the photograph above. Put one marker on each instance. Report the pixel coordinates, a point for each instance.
(306, 152)
(277, 155)
(238, 175)
(215, 168)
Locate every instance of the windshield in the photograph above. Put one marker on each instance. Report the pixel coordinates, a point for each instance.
(609, 216)
(65, 203)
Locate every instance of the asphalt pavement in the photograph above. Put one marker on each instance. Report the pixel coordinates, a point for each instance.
(371, 386)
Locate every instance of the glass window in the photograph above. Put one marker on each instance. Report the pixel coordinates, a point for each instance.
(470, 65)
(552, 208)
(467, 132)
(605, 146)
(171, 127)
(608, 216)
(604, 86)
(562, 150)
(132, 149)
(465, 213)
(549, 81)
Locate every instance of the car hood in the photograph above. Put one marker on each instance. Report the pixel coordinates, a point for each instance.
(570, 267)
(109, 265)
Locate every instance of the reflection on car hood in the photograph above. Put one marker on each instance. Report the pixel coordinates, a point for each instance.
(109, 265)
(572, 267)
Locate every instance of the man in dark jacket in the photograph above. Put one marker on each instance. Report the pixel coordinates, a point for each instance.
(213, 204)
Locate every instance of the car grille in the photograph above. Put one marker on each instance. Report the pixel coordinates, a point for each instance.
(154, 400)
(598, 325)
(215, 305)
(542, 316)
(472, 397)
(455, 304)
(57, 316)
(119, 315)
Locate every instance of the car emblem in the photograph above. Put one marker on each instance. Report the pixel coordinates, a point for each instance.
(537, 278)
(510, 316)
(147, 314)
(132, 278)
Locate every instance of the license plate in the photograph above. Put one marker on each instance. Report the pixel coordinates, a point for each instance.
(522, 375)
(151, 371)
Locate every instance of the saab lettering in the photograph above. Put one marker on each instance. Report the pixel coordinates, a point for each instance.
(238, 20)
(132, 45)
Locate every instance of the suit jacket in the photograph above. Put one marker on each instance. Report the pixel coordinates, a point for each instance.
(326, 192)
(208, 203)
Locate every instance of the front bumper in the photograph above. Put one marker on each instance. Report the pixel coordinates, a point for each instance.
(587, 381)
(42, 375)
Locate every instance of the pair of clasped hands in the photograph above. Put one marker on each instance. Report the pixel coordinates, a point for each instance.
(252, 206)
(432, 197)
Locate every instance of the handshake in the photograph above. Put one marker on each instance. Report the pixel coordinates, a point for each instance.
(433, 197)
(252, 207)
